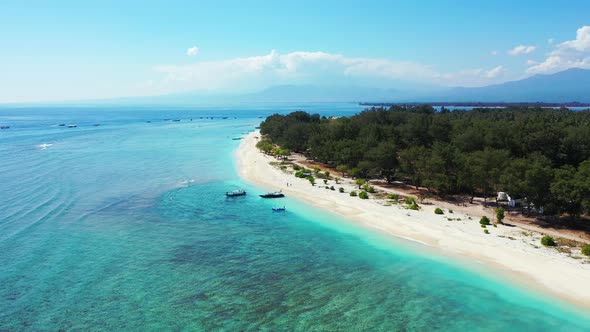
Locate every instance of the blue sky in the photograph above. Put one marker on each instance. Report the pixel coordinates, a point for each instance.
(68, 50)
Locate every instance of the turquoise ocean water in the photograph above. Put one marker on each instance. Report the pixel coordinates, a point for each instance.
(124, 226)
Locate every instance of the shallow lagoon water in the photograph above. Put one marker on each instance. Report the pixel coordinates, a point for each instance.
(124, 226)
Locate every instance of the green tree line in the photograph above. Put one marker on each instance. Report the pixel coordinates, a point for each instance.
(536, 154)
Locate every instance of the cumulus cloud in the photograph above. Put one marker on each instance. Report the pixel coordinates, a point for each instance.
(192, 51)
(569, 54)
(302, 67)
(522, 49)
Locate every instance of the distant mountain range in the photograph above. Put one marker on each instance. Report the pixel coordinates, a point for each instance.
(312, 93)
(567, 86)
(572, 85)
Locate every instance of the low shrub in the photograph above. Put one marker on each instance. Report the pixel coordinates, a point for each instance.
(325, 181)
(311, 180)
(548, 241)
(369, 188)
(450, 211)
(327, 187)
(393, 196)
(353, 193)
(332, 188)
(485, 221)
(341, 189)
(296, 167)
(410, 200)
(483, 226)
(500, 215)
(586, 250)
(301, 174)
(363, 195)
(438, 211)
(486, 231)
(414, 207)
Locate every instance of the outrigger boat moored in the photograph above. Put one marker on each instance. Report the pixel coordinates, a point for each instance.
(235, 193)
(276, 194)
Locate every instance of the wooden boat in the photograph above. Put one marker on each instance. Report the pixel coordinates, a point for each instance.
(72, 126)
(236, 138)
(4, 127)
(236, 193)
(276, 194)
(280, 209)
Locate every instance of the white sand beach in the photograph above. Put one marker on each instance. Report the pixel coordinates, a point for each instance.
(512, 251)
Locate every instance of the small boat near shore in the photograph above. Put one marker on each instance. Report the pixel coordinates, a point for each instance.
(276, 194)
(72, 126)
(236, 138)
(236, 193)
(4, 127)
(279, 209)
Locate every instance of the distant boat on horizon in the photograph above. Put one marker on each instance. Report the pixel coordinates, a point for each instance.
(72, 126)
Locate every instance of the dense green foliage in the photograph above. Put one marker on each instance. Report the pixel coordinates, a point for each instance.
(539, 155)
(548, 241)
(363, 195)
(586, 249)
(438, 211)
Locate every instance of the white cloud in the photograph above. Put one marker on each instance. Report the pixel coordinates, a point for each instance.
(582, 41)
(255, 72)
(522, 49)
(192, 51)
(495, 72)
(531, 62)
(569, 54)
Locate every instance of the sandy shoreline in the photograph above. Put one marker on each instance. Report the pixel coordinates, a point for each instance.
(510, 250)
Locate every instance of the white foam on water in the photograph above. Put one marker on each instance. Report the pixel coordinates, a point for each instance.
(43, 146)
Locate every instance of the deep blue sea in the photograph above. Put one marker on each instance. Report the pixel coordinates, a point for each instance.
(124, 226)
